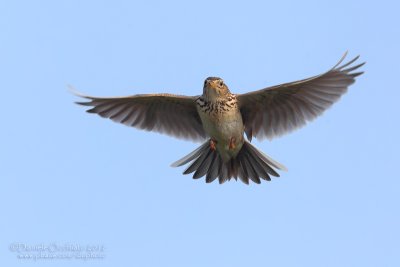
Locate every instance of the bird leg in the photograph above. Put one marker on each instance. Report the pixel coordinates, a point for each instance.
(232, 144)
(213, 144)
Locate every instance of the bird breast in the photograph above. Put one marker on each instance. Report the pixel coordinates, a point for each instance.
(222, 121)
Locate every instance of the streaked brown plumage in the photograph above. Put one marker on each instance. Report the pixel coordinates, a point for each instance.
(223, 118)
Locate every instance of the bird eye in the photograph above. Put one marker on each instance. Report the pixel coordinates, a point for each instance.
(221, 83)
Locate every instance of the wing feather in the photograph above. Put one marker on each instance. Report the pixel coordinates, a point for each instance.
(164, 113)
(276, 110)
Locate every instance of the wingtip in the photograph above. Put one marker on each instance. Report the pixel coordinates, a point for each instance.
(341, 59)
(283, 168)
(177, 163)
(73, 91)
(356, 74)
(83, 103)
(345, 67)
(174, 164)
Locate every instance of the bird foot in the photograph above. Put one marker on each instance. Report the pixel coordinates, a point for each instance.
(232, 144)
(213, 144)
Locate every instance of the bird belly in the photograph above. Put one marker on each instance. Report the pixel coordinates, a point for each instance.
(227, 130)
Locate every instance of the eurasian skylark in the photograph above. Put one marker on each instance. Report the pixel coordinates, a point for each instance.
(223, 118)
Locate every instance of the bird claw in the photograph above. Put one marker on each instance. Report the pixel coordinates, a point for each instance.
(213, 144)
(232, 144)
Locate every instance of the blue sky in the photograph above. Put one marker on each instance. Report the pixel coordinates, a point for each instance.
(68, 177)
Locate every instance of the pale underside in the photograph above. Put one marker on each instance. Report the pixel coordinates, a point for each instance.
(226, 128)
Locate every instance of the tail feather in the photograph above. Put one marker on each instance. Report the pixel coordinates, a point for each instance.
(264, 166)
(268, 160)
(242, 174)
(205, 165)
(191, 156)
(196, 163)
(253, 175)
(214, 169)
(249, 164)
(224, 173)
(233, 170)
(260, 167)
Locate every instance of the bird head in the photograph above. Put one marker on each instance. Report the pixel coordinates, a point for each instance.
(215, 88)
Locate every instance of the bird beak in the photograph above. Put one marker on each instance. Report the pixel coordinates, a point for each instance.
(209, 84)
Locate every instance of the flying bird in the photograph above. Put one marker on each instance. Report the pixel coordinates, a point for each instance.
(220, 119)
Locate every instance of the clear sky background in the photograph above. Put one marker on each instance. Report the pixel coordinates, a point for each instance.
(68, 177)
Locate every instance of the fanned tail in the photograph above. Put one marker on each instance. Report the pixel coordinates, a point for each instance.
(249, 164)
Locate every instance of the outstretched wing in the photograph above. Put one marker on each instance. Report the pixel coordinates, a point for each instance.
(164, 113)
(276, 110)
